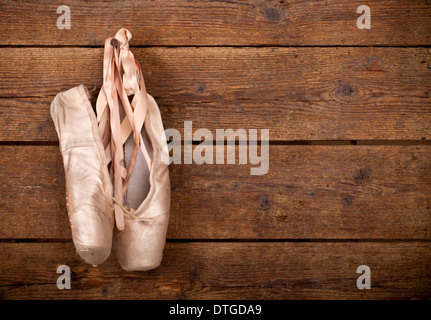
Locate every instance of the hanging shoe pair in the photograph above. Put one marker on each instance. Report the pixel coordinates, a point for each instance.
(112, 163)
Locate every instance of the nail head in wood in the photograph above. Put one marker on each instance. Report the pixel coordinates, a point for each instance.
(114, 42)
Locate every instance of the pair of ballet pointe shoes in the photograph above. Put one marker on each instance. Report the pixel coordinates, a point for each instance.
(113, 164)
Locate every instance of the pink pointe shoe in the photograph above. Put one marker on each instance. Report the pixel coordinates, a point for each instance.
(113, 164)
(88, 186)
(133, 137)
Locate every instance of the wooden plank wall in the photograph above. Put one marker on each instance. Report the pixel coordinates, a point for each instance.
(349, 113)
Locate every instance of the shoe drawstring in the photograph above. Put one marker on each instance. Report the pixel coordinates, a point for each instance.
(131, 212)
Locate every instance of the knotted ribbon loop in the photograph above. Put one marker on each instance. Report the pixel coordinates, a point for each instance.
(127, 63)
(122, 77)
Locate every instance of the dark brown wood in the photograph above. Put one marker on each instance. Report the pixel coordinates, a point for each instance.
(299, 68)
(224, 271)
(318, 192)
(217, 23)
(298, 93)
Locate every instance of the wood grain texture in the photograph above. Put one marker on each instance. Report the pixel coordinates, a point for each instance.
(299, 68)
(309, 192)
(217, 23)
(299, 93)
(224, 271)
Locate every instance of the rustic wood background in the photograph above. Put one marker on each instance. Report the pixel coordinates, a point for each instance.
(349, 114)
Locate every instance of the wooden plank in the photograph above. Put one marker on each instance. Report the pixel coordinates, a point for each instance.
(224, 271)
(299, 93)
(216, 23)
(309, 192)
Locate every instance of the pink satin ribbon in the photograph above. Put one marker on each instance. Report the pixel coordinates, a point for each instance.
(122, 77)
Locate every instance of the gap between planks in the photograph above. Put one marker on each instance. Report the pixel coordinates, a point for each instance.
(64, 240)
(218, 46)
(271, 143)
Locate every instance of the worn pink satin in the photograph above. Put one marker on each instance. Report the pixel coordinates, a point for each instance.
(89, 145)
(140, 245)
(88, 186)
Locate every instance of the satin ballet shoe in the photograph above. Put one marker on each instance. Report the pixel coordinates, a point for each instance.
(88, 185)
(140, 245)
(133, 137)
